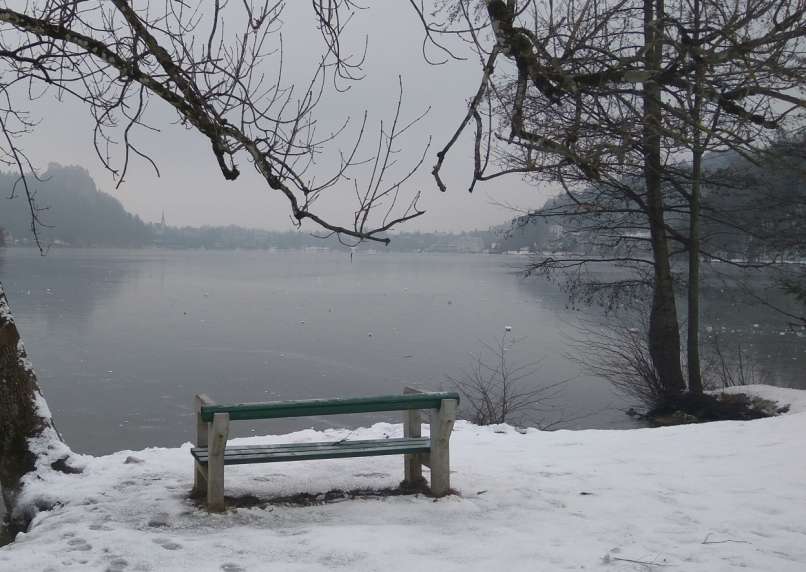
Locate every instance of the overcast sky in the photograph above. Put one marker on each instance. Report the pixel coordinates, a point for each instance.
(192, 191)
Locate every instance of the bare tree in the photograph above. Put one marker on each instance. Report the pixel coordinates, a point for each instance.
(219, 66)
(618, 352)
(605, 98)
(726, 370)
(496, 391)
(766, 202)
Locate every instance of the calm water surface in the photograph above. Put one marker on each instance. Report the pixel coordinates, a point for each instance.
(122, 340)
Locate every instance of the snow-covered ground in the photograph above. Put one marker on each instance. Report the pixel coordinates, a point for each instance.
(721, 496)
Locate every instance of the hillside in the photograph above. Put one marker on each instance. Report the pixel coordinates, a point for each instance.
(76, 212)
(750, 211)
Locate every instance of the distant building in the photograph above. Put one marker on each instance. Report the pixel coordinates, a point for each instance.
(556, 231)
(158, 233)
(642, 234)
(460, 243)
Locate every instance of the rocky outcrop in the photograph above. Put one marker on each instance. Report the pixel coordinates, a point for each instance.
(29, 442)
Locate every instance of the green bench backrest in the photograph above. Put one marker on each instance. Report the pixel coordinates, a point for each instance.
(309, 407)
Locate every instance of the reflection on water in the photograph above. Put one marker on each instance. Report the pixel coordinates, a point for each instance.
(122, 340)
(771, 345)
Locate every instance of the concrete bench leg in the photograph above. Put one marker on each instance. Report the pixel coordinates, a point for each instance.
(217, 442)
(412, 467)
(202, 432)
(442, 421)
(199, 480)
(412, 463)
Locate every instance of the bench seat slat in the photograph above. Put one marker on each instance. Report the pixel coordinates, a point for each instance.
(234, 450)
(308, 451)
(312, 407)
(325, 445)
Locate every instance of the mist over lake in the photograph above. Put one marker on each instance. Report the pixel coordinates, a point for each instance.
(123, 339)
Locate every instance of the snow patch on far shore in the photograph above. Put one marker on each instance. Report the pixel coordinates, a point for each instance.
(698, 498)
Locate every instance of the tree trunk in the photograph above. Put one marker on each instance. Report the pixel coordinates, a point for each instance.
(27, 435)
(664, 333)
(693, 334)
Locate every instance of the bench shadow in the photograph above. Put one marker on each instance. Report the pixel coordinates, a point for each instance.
(328, 497)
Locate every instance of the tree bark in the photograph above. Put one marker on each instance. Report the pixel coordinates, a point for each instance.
(664, 333)
(28, 437)
(693, 334)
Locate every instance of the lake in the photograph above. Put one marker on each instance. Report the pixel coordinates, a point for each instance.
(123, 339)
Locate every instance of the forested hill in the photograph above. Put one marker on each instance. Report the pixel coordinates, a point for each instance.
(750, 211)
(76, 212)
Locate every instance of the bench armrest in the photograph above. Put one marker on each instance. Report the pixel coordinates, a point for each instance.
(201, 400)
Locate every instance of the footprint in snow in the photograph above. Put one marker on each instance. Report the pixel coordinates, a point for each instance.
(117, 565)
(167, 543)
(229, 567)
(269, 477)
(78, 544)
(159, 520)
(341, 560)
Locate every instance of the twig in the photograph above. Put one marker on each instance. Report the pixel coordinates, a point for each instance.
(709, 535)
(642, 562)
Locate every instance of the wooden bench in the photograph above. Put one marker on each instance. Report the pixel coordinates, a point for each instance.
(211, 453)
